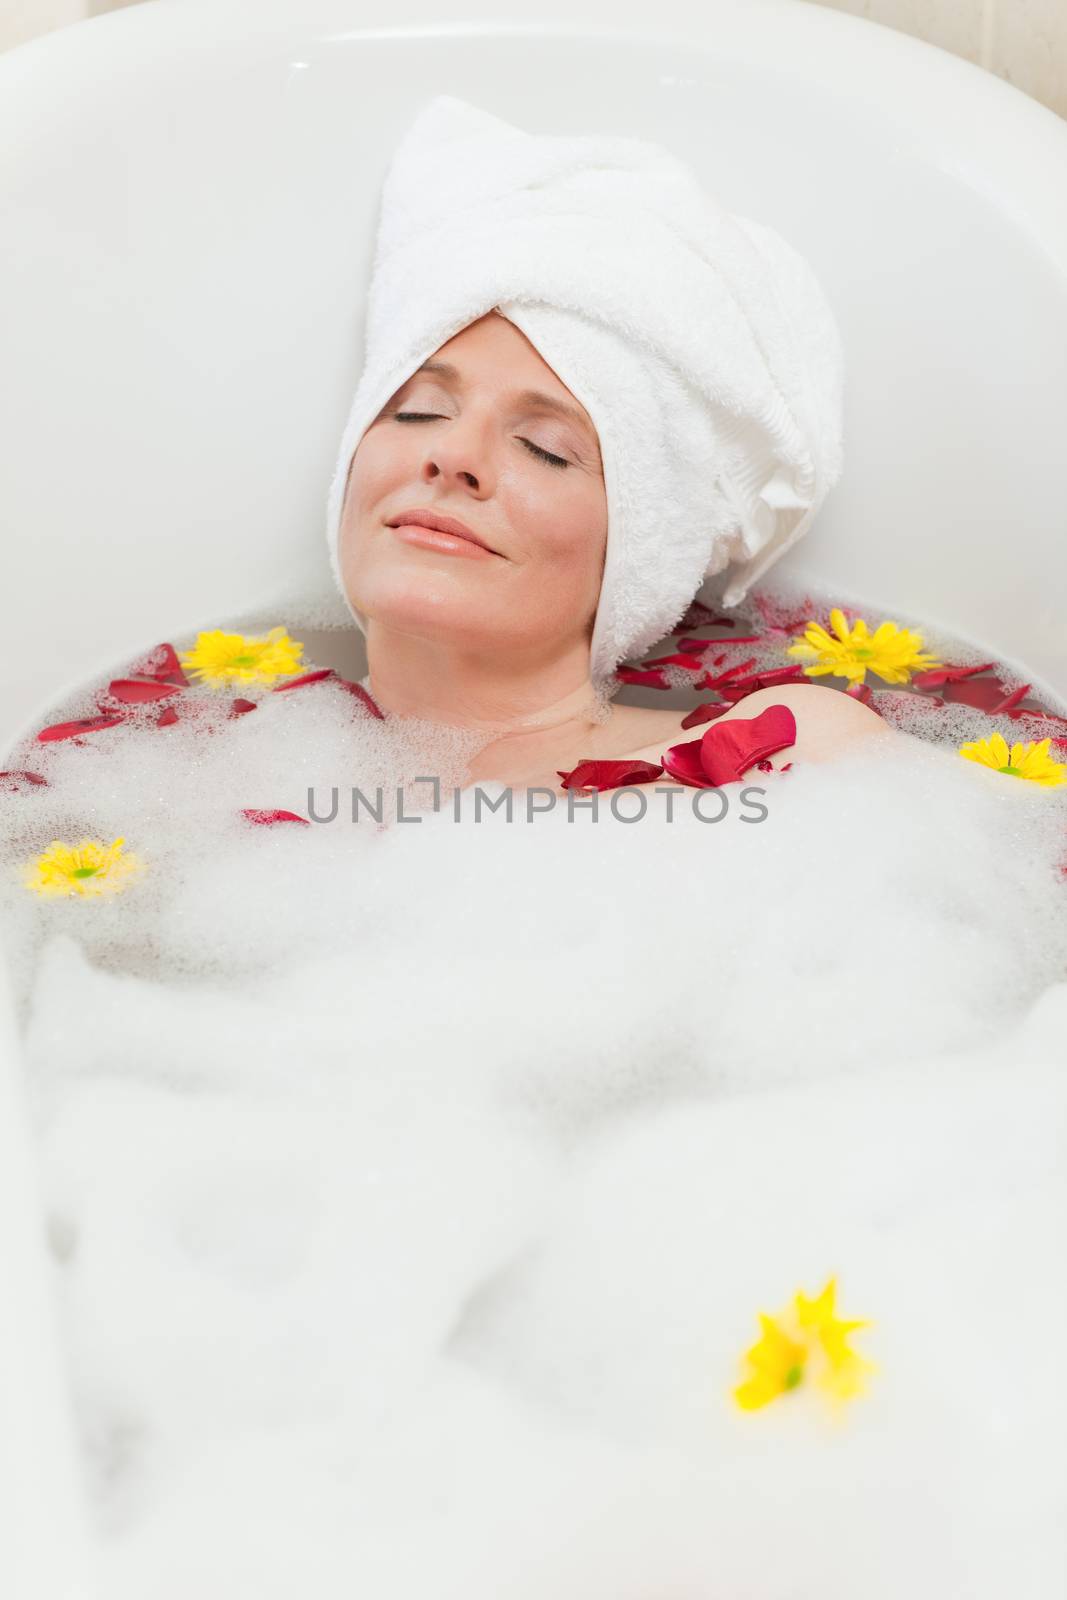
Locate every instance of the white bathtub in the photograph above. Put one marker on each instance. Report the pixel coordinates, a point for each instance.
(188, 217)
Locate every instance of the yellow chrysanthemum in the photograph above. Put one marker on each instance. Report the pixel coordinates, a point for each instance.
(85, 868)
(1031, 761)
(843, 1370)
(234, 658)
(806, 1342)
(776, 1364)
(893, 653)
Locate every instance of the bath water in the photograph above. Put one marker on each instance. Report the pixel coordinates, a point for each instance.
(414, 1187)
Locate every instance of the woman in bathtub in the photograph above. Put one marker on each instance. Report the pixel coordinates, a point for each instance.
(492, 630)
(611, 388)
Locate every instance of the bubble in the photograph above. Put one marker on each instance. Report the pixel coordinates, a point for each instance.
(415, 1177)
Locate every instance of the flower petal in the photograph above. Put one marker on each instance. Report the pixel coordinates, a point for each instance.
(13, 779)
(741, 667)
(300, 683)
(609, 774)
(161, 663)
(1013, 699)
(682, 761)
(689, 662)
(267, 819)
(985, 694)
(69, 730)
(939, 675)
(366, 700)
(695, 646)
(728, 749)
(705, 713)
(763, 680)
(132, 691)
(655, 679)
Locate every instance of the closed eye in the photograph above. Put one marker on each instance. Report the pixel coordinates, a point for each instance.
(432, 416)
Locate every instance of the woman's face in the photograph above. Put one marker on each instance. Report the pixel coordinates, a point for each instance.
(466, 443)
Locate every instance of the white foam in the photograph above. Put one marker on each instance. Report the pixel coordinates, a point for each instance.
(414, 1188)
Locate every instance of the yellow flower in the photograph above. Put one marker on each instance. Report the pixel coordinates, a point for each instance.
(893, 653)
(807, 1341)
(843, 1370)
(233, 658)
(1031, 761)
(776, 1364)
(85, 868)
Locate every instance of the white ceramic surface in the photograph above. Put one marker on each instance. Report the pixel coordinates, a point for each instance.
(187, 201)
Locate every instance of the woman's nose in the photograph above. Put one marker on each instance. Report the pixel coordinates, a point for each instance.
(435, 466)
(462, 449)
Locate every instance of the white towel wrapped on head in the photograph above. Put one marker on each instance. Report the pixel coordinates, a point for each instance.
(699, 342)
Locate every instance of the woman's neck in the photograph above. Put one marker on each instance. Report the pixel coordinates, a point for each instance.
(529, 721)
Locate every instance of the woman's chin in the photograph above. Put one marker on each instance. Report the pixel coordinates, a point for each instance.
(428, 615)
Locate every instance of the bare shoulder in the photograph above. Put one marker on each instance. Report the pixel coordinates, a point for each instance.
(636, 727)
(826, 718)
(827, 722)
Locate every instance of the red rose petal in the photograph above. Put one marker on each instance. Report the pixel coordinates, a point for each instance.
(705, 713)
(167, 718)
(366, 700)
(768, 680)
(656, 679)
(728, 749)
(308, 677)
(131, 691)
(13, 779)
(985, 694)
(239, 707)
(936, 676)
(708, 682)
(690, 663)
(267, 819)
(609, 774)
(692, 646)
(69, 730)
(682, 761)
(1013, 699)
(162, 664)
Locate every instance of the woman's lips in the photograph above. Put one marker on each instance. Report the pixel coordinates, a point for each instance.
(449, 544)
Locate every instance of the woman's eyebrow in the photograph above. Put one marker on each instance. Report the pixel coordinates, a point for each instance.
(526, 397)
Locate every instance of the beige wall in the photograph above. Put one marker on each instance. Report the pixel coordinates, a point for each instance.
(21, 20)
(1024, 41)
